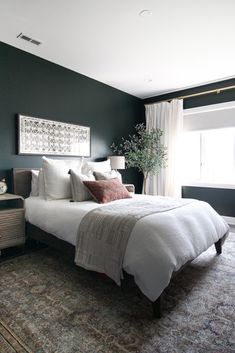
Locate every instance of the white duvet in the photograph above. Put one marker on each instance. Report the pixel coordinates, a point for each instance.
(159, 244)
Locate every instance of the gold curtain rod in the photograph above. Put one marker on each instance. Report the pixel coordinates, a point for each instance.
(216, 90)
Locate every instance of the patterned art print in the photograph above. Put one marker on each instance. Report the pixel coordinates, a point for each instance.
(41, 136)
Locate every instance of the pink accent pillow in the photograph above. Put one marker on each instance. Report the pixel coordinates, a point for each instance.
(104, 191)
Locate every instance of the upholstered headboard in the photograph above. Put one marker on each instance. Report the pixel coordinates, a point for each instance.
(22, 181)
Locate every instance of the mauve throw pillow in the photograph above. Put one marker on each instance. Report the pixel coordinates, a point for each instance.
(104, 191)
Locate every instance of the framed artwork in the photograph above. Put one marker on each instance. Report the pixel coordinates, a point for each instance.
(48, 137)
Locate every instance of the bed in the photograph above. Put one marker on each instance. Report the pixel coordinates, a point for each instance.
(159, 246)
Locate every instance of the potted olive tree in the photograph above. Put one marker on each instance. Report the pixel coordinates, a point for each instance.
(143, 150)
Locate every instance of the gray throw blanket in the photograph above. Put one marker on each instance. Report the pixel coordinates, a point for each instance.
(104, 232)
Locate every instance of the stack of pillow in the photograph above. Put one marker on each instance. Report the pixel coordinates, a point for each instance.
(79, 180)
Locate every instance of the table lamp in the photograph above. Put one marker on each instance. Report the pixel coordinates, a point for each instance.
(117, 162)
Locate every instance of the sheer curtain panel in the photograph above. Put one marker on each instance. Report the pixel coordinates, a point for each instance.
(167, 116)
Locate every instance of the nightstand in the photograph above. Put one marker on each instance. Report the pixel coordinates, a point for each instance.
(12, 221)
(130, 188)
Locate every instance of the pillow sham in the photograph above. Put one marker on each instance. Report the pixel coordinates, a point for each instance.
(79, 191)
(102, 167)
(108, 175)
(56, 177)
(104, 191)
(34, 182)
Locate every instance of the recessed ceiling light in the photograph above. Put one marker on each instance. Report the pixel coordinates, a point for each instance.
(148, 80)
(145, 13)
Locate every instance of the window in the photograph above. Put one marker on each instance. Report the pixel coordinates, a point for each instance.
(208, 156)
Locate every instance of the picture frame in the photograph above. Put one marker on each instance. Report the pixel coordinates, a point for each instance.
(37, 136)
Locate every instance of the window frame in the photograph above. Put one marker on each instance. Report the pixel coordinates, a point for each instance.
(201, 182)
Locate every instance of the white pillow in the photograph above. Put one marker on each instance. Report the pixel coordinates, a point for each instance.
(34, 182)
(56, 177)
(108, 175)
(41, 185)
(102, 167)
(79, 191)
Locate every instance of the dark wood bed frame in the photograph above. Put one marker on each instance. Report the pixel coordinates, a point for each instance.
(22, 187)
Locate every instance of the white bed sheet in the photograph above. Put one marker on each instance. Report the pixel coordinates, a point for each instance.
(159, 244)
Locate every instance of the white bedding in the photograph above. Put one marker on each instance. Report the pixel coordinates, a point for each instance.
(159, 244)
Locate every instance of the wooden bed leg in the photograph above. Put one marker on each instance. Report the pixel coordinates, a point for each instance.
(157, 307)
(218, 246)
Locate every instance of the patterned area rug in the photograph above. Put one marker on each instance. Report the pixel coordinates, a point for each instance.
(55, 307)
(9, 342)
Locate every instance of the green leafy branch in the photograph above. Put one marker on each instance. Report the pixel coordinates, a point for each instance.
(143, 150)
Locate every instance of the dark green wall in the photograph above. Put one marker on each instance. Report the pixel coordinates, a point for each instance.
(223, 200)
(33, 86)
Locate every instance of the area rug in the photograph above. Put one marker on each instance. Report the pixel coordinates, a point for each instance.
(56, 307)
(9, 342)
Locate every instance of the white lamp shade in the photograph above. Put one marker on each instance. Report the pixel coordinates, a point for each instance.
(117, 162)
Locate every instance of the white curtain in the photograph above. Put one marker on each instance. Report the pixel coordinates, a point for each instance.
(167, 116)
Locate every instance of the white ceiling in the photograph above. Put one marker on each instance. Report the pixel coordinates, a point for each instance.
(182, 44)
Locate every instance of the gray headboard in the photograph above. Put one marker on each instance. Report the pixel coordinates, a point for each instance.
(22, 181)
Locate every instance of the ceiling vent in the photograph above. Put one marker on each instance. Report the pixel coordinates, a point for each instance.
(29, 39)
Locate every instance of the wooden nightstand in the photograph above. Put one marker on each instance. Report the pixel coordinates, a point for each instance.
(12, 221)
